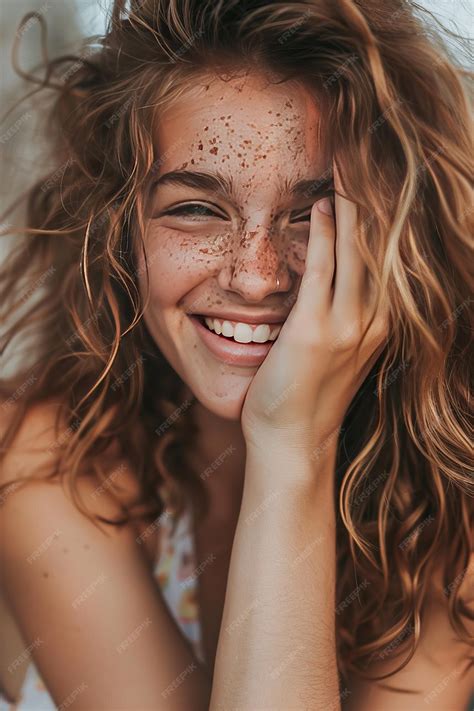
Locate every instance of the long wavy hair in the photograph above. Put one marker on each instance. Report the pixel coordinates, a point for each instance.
(396, 119)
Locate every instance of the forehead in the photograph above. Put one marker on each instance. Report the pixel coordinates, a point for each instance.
(246, 126)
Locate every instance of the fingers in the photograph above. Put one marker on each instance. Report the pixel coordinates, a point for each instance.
(336, 278)
(316, 285)
(350, 284)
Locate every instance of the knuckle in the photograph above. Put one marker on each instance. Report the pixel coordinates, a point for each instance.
(346, 337)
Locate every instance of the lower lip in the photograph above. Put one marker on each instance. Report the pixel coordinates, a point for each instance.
(231, 352)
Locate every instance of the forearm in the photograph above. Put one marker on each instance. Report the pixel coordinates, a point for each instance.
(277, 640)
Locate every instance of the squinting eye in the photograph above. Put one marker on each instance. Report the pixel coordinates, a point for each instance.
(301, 216)
(192, 210)
(305, 215)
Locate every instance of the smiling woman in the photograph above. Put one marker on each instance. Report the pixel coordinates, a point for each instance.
(225, 231)
(240, 458)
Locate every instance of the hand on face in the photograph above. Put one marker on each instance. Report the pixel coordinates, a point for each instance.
(306, 383)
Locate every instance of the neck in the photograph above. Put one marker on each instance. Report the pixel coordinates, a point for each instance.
(220, 459)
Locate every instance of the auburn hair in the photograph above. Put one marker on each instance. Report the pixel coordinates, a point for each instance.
(395, 108)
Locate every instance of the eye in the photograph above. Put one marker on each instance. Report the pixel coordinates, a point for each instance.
(304, 215)
(300, 215)
(194, 210)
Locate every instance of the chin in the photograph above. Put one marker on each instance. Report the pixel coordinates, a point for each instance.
(226, 401)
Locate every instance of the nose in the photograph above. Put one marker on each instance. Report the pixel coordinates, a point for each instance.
(253, 267)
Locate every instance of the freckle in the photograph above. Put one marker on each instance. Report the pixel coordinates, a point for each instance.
(214, 150)
(45, 575)
(65, 550)
(270, 112)
(86, 546)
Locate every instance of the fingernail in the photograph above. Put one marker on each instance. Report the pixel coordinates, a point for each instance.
(325, 206)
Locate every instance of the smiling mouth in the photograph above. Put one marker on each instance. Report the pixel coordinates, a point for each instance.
(240, 332)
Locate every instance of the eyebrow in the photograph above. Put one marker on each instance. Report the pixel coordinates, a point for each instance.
(221, 184)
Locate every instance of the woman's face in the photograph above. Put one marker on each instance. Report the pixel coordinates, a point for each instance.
(225, 218)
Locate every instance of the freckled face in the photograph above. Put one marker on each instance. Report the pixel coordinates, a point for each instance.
(220, 245)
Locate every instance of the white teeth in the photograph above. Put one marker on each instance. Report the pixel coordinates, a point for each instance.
(243, 332)
(227, 329)
(261, 333)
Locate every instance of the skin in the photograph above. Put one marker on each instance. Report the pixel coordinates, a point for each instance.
(285, 454)
(258, 135)
(276, 646)
(261, 135)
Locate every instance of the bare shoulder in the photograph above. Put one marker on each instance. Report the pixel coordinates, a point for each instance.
(34, 450)
(70, 581)
(40, 434)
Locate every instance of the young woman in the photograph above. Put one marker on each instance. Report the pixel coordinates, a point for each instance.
(236, 470)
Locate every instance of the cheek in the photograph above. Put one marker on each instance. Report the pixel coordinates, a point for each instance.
(292, 249)
(178, 261)
(295, 254)
(197, 245)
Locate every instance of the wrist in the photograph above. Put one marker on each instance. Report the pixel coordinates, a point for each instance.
(276, 463)
(294, 444)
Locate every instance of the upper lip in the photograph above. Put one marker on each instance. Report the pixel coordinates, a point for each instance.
(243, 318)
